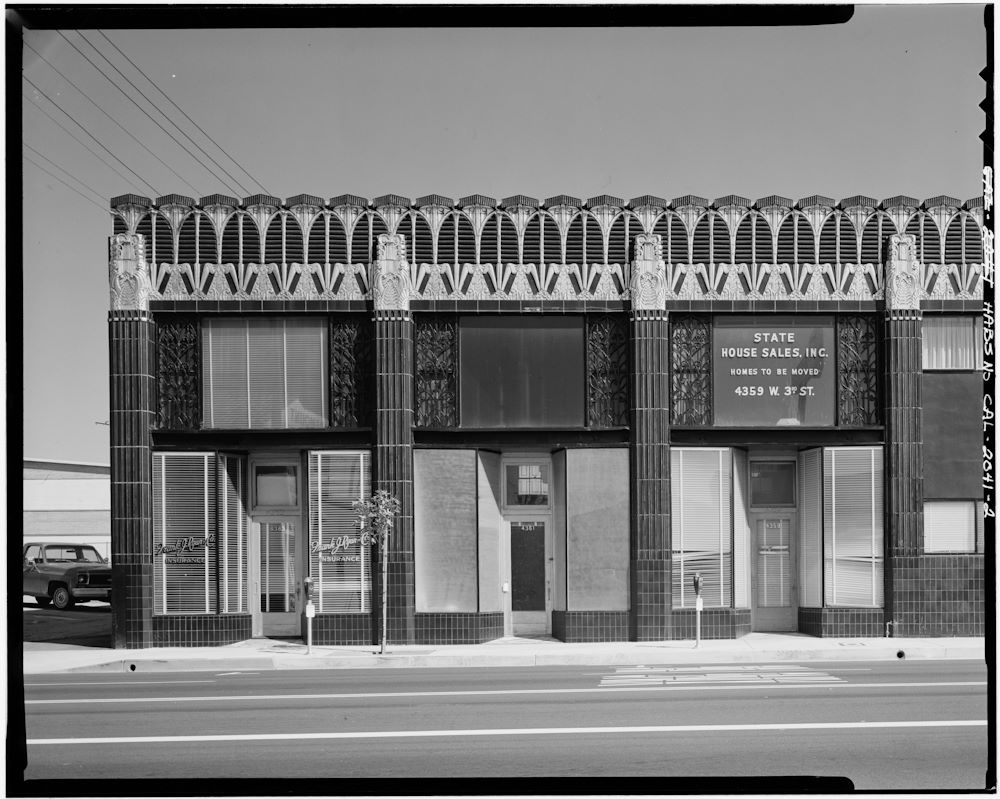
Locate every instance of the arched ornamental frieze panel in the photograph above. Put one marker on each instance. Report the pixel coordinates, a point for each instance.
(564, 248)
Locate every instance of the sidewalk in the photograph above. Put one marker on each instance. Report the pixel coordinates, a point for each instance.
(265, 654)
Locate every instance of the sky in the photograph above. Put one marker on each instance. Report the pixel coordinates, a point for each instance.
(885, 104)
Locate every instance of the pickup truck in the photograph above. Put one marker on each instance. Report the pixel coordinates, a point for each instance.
(65, 573)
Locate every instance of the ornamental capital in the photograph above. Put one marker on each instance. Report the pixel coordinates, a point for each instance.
(902, 274)
(391, 288)
(127, 272)
(648, 286)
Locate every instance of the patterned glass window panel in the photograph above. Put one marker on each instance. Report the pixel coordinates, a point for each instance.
(811, 528)
(828, 241)
(178, 370)
(701, 525)
(264, 373)
(701, 252)
(744, 240)
(231, 241)
(950, 526)
(848, 241)
(351, 367)
(233, 531)
(435, 343)
(617, 242)
(859, 373)
(953, 343)
(185, 569)
(852, 526)
(338, 563)
(277, 567)
(186, 241)
(774, 575)
(763, 241)
(607, 371)
(690, 371)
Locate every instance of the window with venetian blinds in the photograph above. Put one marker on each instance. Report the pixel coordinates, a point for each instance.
(264, 373)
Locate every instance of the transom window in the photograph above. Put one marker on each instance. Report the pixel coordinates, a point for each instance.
(527, 484)
(264, 373)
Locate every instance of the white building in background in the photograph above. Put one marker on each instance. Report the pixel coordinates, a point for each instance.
(67, 501)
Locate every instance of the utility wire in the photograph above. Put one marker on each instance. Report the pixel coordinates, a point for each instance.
(62, 169)
(81, 127)
(127, 131)
(30, 160)
(157, 87)
(144, 111)
(86, 146)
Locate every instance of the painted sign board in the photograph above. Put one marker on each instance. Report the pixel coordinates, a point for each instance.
(774, 371)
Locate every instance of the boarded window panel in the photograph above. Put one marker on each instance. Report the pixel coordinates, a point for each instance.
(597, 512)
(950, 526)
(445, 549)
(811, 528)
(701, 520)
(852, 521)
(488, 497)
(185, 568)
(339, 563)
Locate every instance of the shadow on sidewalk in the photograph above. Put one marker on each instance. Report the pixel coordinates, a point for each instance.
(87, 624)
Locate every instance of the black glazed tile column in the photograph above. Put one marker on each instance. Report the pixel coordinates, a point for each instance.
(649, 538)
(132, 335)
(904, 468)
(394, 430)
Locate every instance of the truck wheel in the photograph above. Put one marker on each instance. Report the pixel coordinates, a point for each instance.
(43, 601)
(61, 597)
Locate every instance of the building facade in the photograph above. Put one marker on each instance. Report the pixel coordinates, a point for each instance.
(66, 501)
(580, 406)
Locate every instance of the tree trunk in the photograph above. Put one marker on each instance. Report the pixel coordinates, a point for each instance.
(385, 588)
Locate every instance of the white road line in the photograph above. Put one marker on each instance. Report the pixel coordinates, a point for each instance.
(127, 682)
(314, 736)
(535, 691)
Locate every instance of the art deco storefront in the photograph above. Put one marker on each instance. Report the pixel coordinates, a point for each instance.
(578, 405)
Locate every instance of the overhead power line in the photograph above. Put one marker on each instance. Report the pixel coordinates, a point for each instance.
(81, 127)
(86, 146)
(98, 107)
(205, 133)
(144, 111)
(30, 160)
(62, 169)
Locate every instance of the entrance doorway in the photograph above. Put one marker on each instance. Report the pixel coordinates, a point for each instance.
(277, 546)
(275, 565)
(773, 570)
(526, 551)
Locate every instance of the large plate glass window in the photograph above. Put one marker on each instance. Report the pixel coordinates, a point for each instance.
(264, 373)
(339, 563)
(701, 521)
(852, 522)
(199, 533)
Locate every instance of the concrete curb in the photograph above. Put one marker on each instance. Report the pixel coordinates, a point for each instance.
(649, 655)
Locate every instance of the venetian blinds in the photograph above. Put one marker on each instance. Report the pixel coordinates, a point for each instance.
(264, 373)
(199, 533)
(953, 342)
(811, 528)
(339, 563)
(701, 521)
(852, 520)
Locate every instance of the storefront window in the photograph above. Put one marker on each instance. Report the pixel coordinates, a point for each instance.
(852, 521)
(339, 563)
(701, 523)
(199, 533)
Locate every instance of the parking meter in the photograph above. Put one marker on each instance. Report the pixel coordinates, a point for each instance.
(698, 605)
(307, 583)
(698, 581)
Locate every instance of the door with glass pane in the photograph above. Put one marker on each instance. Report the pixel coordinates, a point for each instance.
(275, 575)
(773, 584)
(529, 594)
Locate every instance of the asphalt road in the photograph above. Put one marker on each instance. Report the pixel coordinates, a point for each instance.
(901, 725)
